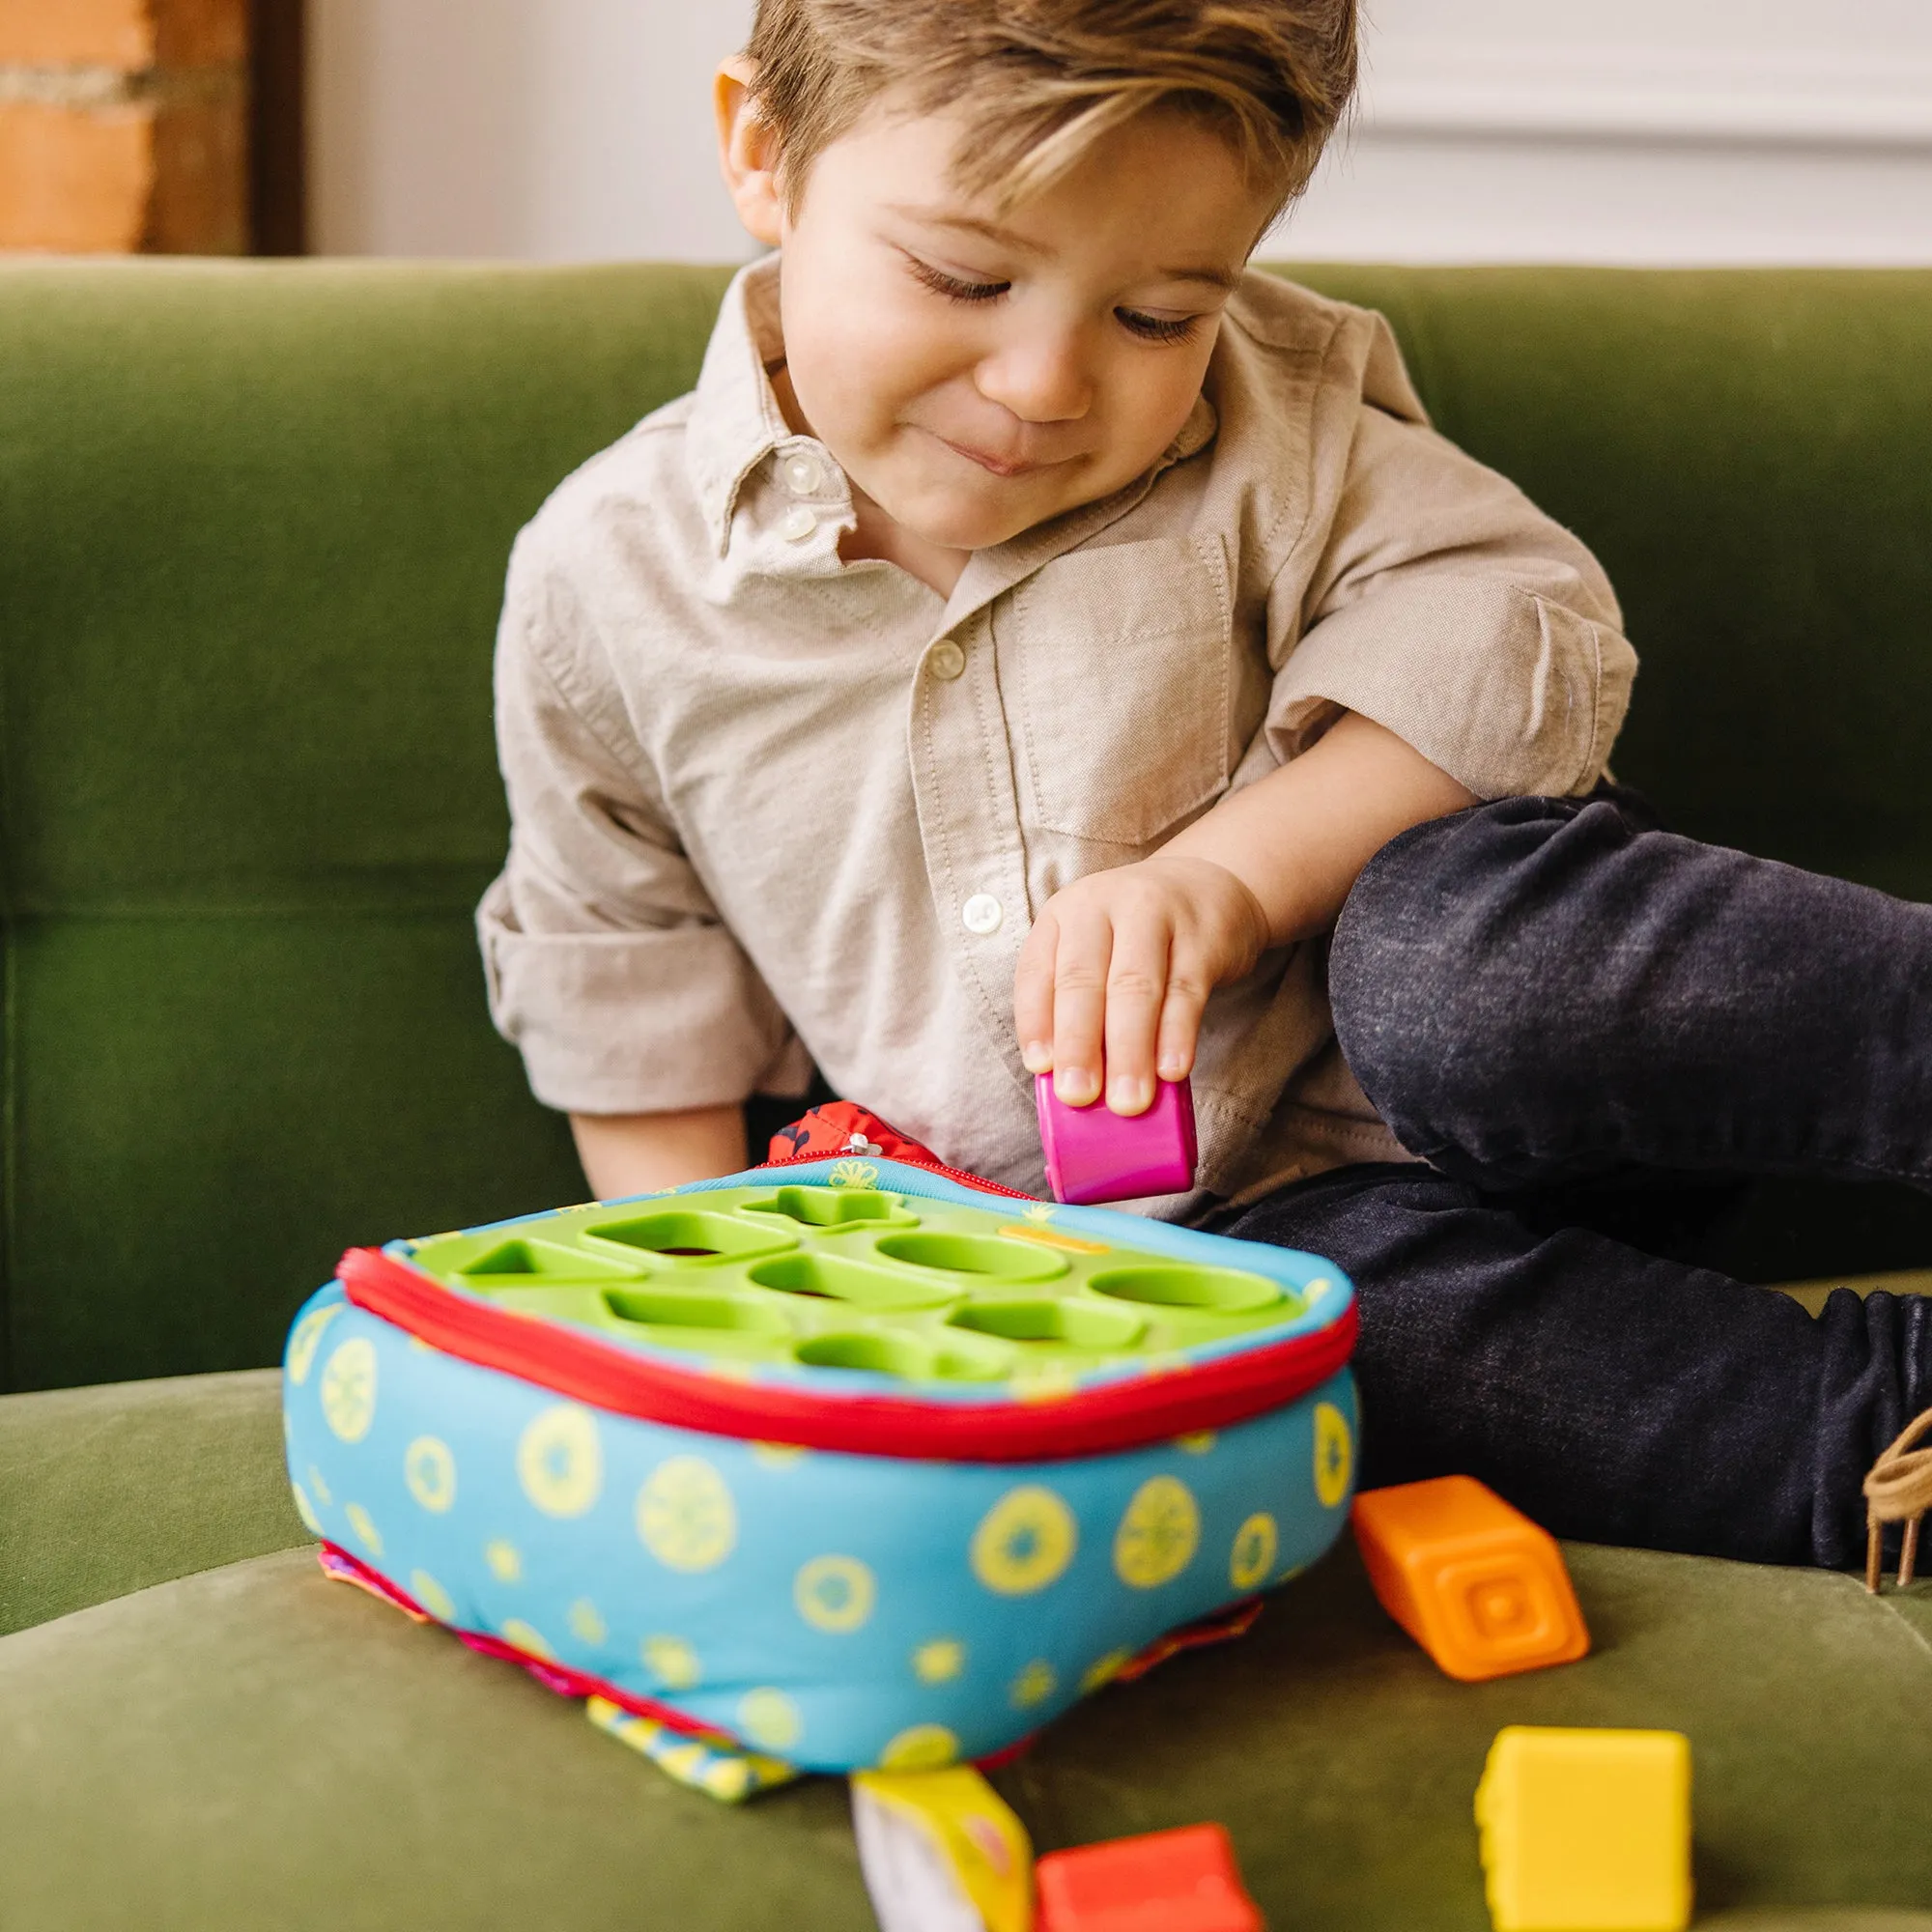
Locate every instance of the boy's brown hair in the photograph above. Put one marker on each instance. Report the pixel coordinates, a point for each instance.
(1043, 80)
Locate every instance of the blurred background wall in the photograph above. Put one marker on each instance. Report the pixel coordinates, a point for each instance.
(1611, 130)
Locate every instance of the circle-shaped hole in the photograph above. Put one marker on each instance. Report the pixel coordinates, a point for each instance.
(1075, 1324)
(1213, 1291)
(969, 1253)
(879, 1354)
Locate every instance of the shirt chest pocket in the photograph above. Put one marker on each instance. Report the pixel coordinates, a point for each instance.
(1121, 677)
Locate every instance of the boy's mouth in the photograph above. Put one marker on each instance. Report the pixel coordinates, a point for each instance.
(1000, 465)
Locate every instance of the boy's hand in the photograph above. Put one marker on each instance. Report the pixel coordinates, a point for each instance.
(1118, 968)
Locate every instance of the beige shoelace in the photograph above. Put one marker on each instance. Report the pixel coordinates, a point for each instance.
(1898, 1489)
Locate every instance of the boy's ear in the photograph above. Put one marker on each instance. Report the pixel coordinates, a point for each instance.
(748, 154)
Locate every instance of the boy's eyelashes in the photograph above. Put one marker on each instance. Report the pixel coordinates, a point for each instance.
(1148, 327)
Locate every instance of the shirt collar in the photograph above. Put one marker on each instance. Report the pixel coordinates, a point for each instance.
(735, 420)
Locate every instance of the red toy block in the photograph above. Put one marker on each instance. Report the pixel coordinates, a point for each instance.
(1183, 1881)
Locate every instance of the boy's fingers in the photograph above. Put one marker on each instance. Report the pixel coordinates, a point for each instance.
(1136, 985)
(1079, 1006)
(1181, 1011)
(1032, 996)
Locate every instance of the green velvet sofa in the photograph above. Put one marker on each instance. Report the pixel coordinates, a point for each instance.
(253, 522)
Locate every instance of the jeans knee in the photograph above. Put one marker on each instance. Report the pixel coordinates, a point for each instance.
(1443, 968)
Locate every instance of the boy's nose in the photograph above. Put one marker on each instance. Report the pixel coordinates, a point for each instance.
(1040, 378)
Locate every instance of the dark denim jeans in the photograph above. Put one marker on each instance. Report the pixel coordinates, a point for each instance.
(1552, 998)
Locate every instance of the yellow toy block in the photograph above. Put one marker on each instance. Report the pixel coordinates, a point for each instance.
(940, 1848)
(1586, 1830)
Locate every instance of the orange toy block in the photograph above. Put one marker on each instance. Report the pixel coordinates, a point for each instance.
(1477, 1584)
(1183, 1881)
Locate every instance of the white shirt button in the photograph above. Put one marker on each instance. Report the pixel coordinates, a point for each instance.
(947, 660)
(799, 523)
(802, 473)
(981, 913)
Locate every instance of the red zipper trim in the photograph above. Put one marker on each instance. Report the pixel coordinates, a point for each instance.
(1089, 1422)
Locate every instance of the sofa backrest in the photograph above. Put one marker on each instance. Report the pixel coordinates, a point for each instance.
(253, 522)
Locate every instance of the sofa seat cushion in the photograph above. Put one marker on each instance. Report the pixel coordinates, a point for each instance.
(108, 1490)
(257, 1745)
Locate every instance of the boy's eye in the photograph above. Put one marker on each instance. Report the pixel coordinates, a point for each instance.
(952, 287)
(1155, 327)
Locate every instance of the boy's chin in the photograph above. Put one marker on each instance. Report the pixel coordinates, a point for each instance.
(970, 526)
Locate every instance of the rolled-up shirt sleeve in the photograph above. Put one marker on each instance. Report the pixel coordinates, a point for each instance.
(1451, 610)
(607, 965)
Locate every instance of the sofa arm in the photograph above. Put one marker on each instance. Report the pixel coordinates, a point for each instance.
(108, 1490)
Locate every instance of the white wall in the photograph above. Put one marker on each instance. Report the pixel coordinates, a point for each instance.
(1621, 131)
(549, 130)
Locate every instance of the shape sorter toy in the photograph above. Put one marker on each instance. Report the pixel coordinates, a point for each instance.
(1586, 1830)
(1478, 1585)
(844, 1461)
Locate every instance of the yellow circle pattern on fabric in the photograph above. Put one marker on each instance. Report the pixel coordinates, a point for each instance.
(1158, 1535)
(940, 1661)
(432, 1596)
(349, 1389)
(560, 1461)
(779, 1455)
(673, 1662)
(1255, 1545)
(587, 1622)
(306, 1511)
(686, 1516)
(319, 1484)
(304, 1342)
(366, 1532)
(1034, 1684)
(515, 1631)
(430, 1471)
(1334, 1454)
(1104, 1670)
(769, 1717)
(921, 1748)
(1024, 1542)
(1201, 1443)
(835, 1594)
(505, 1561)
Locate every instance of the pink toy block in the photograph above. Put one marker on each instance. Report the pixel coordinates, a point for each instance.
(1183, 1881)
(1094, 1154)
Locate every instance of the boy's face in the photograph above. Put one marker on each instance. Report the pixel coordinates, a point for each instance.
(977, 372)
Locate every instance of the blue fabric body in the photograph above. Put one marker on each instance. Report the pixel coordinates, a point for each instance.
(839, 1610)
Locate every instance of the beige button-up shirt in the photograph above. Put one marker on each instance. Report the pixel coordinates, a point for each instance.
(769, 805)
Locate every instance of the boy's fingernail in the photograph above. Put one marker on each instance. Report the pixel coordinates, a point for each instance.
(1173, 1067)
(1077, 1086)
(1037, 1056)
(1128, 1095)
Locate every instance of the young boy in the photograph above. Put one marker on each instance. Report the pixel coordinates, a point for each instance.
(1036, 630)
